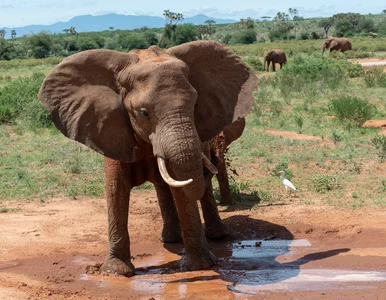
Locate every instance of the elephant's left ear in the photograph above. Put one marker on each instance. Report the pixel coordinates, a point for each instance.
(223, 83)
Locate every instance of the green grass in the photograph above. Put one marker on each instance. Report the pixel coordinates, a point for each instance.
(341, 169)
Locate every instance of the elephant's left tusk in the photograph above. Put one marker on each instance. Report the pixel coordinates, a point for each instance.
(168, 179)
(208, 164)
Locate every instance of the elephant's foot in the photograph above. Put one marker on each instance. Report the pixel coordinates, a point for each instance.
(116, 266)
(200, 261)
(170, 234)
(216, 230)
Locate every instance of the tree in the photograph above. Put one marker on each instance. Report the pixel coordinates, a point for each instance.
(13, 33)
(111, 28)
(384, 11)
(73, 31)
(352, 18)
(343, 27)
(282, 24)
(6, 48)
(247, 23)
(171, 21)
(326, 24)
(185, 33)
(40, 44)
(211, 30)
(265, 18)
(294, 13)
(172, 18)
(2, 33)
(66, 31)
(366, 25)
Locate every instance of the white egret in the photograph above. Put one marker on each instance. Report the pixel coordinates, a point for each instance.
(287, 184)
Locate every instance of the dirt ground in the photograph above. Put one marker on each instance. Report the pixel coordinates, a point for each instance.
(284, 251)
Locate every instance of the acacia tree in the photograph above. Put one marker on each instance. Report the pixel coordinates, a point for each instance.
(294, 13)
(171, 21)
(326, 24)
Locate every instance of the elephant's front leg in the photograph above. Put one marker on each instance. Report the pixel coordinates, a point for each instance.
(118, 196)
(171, 231)
(197, 253)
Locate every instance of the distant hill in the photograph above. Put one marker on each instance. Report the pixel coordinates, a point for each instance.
(89, 23)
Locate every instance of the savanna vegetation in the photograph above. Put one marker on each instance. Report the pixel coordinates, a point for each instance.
(334, 159)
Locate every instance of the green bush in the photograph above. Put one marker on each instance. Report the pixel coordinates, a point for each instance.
(18, 102)
(379, 142)
(323, 183)
(243, 37)
(352, 109)
(254, 63)
(375, 77)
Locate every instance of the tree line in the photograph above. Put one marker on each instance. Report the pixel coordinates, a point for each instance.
(284, 26)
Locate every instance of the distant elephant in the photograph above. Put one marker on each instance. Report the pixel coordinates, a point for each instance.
(276, 56)
(337, 44)
(149, 112)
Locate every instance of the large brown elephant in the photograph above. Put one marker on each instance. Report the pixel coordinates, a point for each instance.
(276, 56)
(336, 44)
(149, 112)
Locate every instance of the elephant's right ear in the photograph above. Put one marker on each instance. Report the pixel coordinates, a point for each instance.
(82, 94)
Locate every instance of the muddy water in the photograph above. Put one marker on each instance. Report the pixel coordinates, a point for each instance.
(246, 269)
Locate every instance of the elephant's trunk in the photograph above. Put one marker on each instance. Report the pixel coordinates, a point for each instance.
(177, 144)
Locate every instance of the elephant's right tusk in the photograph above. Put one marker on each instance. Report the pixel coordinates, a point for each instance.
(168, 179)
(208, 164)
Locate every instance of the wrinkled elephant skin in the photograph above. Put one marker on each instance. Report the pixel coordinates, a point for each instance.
(149, 112)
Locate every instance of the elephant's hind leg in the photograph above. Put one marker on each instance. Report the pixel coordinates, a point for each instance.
(171, 231)
(214, 226)
(118, 196)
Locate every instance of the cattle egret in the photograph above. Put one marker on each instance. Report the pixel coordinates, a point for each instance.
(287, 184)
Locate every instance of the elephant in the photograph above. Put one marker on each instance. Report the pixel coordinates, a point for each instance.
(337, 44)
(149, 113)
(218, 146)
(276, 56)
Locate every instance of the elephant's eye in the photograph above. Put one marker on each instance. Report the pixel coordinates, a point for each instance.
(144, 112)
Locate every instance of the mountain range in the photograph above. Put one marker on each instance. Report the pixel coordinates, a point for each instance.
(87, 23)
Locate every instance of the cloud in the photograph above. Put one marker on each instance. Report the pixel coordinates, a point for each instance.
(7, 6)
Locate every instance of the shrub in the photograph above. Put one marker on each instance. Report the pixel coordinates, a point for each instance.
(18, 100)
(40, 44)
(379, 142)
(254, 63)
(352, 109)
(324, 183)
(244, 37)
(375, 77)
(304, 36)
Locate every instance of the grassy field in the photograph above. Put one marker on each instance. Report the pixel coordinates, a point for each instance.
(294, 125)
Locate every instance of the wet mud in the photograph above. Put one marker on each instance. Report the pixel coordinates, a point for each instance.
(284, 252)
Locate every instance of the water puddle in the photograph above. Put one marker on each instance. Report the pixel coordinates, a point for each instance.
(247, 267)
(9, 265)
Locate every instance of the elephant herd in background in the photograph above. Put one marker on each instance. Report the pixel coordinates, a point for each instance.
(159, 116)
(277, 56)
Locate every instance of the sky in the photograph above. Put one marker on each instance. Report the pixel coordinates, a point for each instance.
(17, 13)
